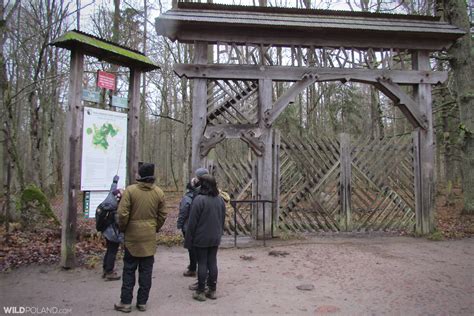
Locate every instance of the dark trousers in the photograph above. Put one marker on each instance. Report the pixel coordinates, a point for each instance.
(110, 254)
(192, 257)
(145, 269)
(192, 260)
(207, 262)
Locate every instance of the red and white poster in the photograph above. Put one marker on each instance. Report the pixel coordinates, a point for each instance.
(105, 80)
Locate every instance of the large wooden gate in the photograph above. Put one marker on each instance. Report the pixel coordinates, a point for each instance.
(317, 173)
(379, 174)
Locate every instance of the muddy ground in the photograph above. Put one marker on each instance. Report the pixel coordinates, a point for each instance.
(350, 275)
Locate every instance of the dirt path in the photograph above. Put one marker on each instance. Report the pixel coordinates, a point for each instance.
(351, 276)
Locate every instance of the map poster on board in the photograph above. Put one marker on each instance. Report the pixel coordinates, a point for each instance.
(104, 149)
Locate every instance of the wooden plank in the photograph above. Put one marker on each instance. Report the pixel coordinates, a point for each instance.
(72, 163)
(276, 182)
(133, 139)
(424, 172)
(190, 34)
(285, 73)
(345, 180)
(199, 108)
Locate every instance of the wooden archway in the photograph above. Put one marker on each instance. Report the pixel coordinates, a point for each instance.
(385, 50)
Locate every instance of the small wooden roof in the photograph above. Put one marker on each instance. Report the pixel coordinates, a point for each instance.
(319, 28)
(105, 50)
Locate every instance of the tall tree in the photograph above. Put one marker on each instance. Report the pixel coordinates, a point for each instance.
(462, 66)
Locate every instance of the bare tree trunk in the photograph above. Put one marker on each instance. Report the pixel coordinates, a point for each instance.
(78, 15)
(143, 107)
(462, 66)
(376, 123)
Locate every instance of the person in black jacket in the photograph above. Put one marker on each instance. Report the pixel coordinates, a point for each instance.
(192, 190)
(205, 228)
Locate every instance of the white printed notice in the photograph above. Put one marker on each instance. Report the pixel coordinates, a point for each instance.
(104, 149)
(93, 199)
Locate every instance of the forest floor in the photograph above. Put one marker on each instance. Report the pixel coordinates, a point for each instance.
(361, 275)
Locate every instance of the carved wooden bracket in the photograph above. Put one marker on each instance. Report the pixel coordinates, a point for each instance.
(255, 143)
(207, 143)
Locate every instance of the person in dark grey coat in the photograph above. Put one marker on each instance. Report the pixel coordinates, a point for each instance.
(204, 233)
(192, 190)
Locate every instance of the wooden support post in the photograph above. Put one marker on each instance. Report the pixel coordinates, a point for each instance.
(72, 163)
(345, 181)
(133, 141)
(424, 154)
(276, 181)
(199, 108)
(264, 165)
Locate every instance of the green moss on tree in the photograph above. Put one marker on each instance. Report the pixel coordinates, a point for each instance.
(33, 195)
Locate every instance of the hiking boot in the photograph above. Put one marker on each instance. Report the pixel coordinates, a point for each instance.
(141, 307)
(194, 286)
(121, 307)
(211, 294)
(103, 274)
(189, 273)
(199, 296)
(112, 276)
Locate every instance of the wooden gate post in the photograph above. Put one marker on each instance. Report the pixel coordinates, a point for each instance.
(276, 182)
(424, 152)
(264, 166)
(133, 125)
(199, 108)
(345, 181)
(72, 163)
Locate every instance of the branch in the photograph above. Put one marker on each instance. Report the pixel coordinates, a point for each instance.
(168, 117)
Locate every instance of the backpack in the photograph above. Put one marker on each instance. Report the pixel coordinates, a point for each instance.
(103, 218)
(105, 213)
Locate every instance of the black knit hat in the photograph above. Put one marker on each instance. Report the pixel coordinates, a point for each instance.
(146, 171)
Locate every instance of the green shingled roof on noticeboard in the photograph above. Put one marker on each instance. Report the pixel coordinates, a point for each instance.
(104, 50)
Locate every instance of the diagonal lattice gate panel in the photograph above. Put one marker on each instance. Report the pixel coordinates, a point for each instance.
(234, 176)
(309, 180)
(382, 181)
(382, 185)
(382, 190)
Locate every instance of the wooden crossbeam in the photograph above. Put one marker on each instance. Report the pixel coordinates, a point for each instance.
(406, 104)
(285, 73)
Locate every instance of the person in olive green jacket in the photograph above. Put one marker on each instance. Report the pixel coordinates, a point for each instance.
(141, 213)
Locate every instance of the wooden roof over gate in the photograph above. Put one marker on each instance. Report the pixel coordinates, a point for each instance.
(283, 26)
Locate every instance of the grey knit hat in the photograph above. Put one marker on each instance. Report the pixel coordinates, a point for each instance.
(201, 171)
